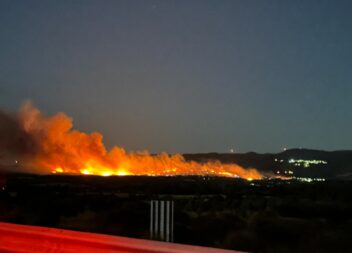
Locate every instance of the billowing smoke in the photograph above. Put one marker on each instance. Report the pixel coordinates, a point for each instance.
(13, 137)
(50, 145)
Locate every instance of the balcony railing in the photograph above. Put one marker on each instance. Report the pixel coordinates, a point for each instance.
(30, 239)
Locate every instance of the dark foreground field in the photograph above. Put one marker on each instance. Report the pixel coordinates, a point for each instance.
(257, 216)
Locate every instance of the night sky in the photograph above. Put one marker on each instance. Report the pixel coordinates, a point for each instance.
(185, 76)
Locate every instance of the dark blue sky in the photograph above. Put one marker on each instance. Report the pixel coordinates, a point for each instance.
(185, 76)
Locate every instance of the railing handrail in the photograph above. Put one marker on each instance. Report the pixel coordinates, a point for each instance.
(24, 238)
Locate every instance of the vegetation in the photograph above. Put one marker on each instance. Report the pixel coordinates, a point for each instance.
(257, 216)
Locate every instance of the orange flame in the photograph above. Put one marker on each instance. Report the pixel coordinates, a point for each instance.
(64, 150)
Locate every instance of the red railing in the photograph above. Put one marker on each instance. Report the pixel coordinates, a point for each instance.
(30, 239)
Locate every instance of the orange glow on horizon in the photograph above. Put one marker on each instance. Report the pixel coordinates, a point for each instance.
(64, 150)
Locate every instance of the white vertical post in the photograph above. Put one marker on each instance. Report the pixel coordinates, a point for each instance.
(167, 221)
(162, 222)
(156, 232)
(152, 219)
(172, 221)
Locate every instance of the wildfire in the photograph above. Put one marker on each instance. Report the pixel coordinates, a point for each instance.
(60, 149)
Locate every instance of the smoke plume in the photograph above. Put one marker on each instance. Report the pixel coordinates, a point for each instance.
(13, 137)
(51, 145)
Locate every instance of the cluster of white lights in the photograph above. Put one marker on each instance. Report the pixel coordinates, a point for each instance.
(308, 179)
(290, 172)
(301, 162)
(306, 163)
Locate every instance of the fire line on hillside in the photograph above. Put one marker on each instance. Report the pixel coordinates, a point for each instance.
(50, 145)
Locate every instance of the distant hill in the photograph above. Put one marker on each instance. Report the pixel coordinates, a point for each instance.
(297, 162)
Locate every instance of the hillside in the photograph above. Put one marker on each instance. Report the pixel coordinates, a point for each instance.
(297, 162)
